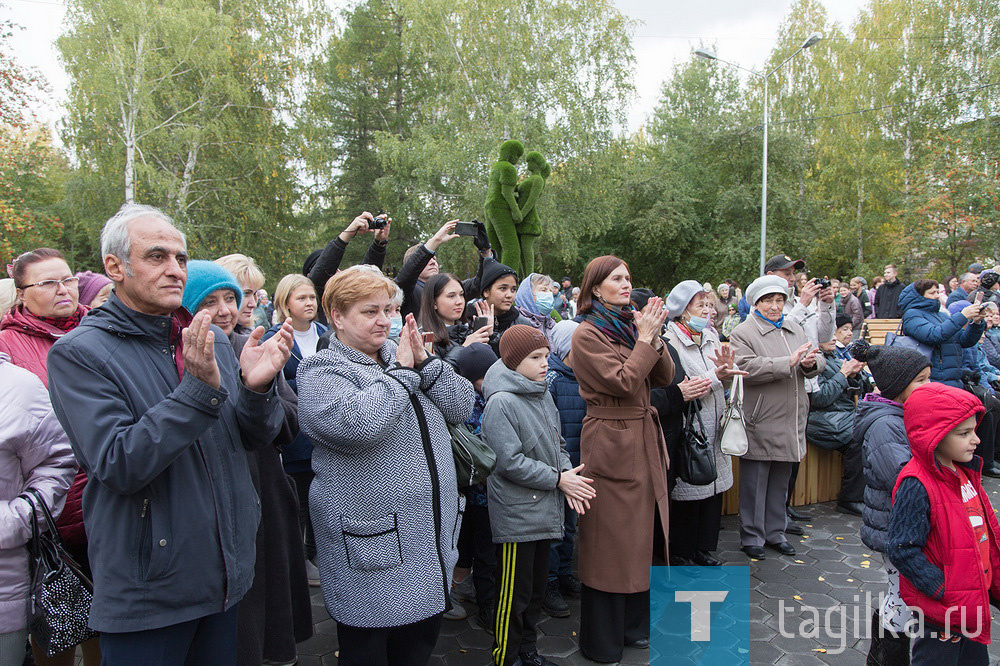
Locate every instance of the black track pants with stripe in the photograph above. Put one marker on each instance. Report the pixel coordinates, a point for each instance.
(523, 573)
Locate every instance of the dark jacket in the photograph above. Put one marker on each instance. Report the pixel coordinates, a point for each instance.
(669, 403)
(831, 408)
(276, 612)
(991, 346)
(297, 454)
(886, 303)
(572, 408)
(959, 294)
(328, 263)
(878, 428)
(408, 280)
(923, 320)
(171, 512)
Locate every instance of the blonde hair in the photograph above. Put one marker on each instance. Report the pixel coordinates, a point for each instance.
(8, 295)
(244, 269)
(284, 290)
(350, 286)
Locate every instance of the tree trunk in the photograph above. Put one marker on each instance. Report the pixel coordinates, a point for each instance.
(861, 229)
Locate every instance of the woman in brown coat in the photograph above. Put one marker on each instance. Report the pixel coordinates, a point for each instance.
(618, 356)
(778, 356)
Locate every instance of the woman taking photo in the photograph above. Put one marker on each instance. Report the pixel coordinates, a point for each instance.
(617, 355)
(385, 500)
(696, 511)
(295, 299)
(778, 357)
(442, 312)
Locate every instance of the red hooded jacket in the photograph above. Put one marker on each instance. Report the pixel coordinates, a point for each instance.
(931, 412)
(27, 340)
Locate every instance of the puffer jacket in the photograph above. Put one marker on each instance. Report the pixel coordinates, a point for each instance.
(572, 408)
(34, 453)
(521, 425)
(171, 512)
(878, 428)
(991, 346)
(26, 339)
(385, 503)
(831, 408)
(947, 335)
(696, 361)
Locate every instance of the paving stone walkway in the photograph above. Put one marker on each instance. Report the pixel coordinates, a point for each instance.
(831, 567)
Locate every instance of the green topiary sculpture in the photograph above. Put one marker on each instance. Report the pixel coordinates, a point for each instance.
(502, 212)
(528, 192)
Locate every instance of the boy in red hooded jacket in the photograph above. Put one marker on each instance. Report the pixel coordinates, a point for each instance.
(943, 530)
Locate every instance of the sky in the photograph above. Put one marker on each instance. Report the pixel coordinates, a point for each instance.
(742, 31)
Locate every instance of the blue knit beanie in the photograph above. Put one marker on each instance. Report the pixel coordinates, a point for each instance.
(204, 277)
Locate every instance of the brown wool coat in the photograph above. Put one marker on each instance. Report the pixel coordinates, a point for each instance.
(775, 401)
(624, 452)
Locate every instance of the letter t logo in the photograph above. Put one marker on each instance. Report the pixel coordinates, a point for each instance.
(701, 610)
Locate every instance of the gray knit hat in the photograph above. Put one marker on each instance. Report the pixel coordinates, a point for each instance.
(893, 368)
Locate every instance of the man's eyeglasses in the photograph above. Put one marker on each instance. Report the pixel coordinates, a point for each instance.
(52, 285)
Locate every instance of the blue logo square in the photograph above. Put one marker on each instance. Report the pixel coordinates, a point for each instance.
(702, 614)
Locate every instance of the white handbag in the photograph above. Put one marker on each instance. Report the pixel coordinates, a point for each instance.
(733, 428)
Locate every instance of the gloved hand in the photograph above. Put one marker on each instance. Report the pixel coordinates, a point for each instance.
(481, 239)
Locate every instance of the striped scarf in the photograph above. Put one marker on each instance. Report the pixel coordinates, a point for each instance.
(618, 323)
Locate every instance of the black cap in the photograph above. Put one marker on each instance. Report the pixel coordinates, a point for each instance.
(782, 261)
(493, 270)
(976, 268)
(844, 319)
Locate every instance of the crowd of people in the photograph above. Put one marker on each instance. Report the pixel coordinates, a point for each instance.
(212, 452)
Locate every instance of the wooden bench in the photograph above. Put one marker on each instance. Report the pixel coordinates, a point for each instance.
(818, 481)
(875, 330)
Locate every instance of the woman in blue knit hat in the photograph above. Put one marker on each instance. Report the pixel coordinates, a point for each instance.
(276, 612)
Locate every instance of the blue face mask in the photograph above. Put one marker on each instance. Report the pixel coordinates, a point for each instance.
(395, 326)
(544, 301)
(697, 324)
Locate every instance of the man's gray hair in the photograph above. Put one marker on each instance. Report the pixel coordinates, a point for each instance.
(115, 239)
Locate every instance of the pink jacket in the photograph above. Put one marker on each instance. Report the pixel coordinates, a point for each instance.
(34, 453)
(27, 340)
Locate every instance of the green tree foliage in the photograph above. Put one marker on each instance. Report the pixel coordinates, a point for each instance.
(179, 104)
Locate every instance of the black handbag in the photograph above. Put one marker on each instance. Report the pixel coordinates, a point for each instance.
(474, 461)
(61, 594)
(696, 466)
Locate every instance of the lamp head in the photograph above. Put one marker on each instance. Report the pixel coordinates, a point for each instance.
(813, 38)
(707, 54)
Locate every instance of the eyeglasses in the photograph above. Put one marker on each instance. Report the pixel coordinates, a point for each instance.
(52, 285)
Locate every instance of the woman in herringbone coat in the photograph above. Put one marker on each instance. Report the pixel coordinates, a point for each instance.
(385, 504)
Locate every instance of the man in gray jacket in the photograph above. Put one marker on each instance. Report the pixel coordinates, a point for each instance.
(160, 414)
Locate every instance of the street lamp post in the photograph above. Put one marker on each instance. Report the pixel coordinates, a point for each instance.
(708, 54)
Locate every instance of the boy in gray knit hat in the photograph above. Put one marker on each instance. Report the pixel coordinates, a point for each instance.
(885, 450)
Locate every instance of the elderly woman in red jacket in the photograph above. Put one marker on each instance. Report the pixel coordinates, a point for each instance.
(48, 308)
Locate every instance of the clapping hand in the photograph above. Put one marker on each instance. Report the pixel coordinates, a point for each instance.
(577, 489)
(851, 367)
(650, 321)
(801, 354)
(410, 352)
(260, 362)
(693, 388)
(199, 350)
(725, 364)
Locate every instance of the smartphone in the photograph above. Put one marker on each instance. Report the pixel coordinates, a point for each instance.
(467, 229)
(428, 339)
(979, 299)
(480, 322)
